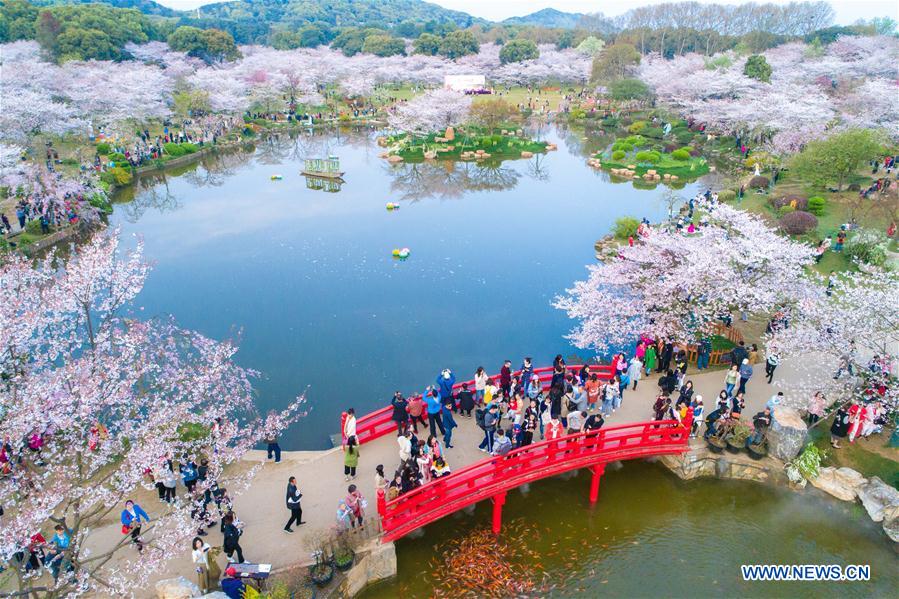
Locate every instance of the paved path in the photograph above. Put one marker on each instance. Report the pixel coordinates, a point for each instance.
(321, 480)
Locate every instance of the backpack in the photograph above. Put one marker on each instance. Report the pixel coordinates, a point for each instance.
(479, 416)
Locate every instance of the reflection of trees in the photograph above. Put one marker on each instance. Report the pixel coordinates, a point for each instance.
(155, 193)
(448, 179)
(216, 168)
(537, 169)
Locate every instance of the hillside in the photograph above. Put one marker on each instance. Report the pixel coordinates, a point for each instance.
(334, 12)
(148, 7)
(548, 17)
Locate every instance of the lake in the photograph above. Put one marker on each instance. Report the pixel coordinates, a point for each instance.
(306, 280)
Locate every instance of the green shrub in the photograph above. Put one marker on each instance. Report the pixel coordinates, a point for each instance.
(758, 182)
(610, 122)
(816, 205)
(635, 140)
(103, 148)
(262, 122)
(648, 156)
(247, 119)
(173, 149)
(682, 155)
(625, 227)
(637, 127)
(684, 137)
(120, 176)
(868, 246)
(189, 148)
(654, 132)
(727, 195)
(117, 157)
(623, 146)
(618, 154)
(100, 202)
(33, 227)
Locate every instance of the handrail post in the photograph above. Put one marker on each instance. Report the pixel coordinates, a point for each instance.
(498, 500)
(343, 417)
(382, 503)
(598, 470)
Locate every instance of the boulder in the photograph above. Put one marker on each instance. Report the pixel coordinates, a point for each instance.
(842, 483)
(450, 134)
(674, 177)
(880, 499)
(788, 433)
(526, 154)
(891, 527)
(551, 147)
(430, 155)
(177, 588)
(394, 159)
(215, 595)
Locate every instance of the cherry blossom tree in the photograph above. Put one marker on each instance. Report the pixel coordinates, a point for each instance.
(432, 111)
(93, 399)
(675, 286)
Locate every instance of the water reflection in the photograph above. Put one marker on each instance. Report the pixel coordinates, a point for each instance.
(447, 179)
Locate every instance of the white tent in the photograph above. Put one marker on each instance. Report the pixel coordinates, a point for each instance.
(461, 83)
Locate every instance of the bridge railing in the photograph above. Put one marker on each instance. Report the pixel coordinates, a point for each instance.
(379, 423)
(493, 476)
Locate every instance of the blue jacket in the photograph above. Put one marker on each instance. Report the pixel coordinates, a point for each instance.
(448, 421)
(139, 513)
(434, 405)
(445, 386)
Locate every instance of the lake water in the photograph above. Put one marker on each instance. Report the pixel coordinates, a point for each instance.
(653, 535)
(307, 279)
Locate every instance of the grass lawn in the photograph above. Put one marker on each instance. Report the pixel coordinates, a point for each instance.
(467, 139)
(871, 457)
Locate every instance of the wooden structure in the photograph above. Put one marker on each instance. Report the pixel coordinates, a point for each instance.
(325, 168)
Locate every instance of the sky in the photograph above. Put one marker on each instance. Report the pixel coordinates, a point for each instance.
(847, 11)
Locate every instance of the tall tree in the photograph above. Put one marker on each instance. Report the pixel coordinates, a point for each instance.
(614, 62)
(835, 159)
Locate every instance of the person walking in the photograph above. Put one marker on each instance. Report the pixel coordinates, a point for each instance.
(527, 371)
(650, 362)
(405, 443)
(771, 363)
(840, 427)
(132, 516)
(350, 458)
(449, 423)
(435, 421)
(293, 504)
(356, 502)
(231, 542)
(635, 371)
(490, 421)
(273, 448)
(730, 380)
(745, 375)
(207, 569)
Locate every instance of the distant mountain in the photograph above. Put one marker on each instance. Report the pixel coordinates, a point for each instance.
(148, 7)
(548, 17)
(335, 12)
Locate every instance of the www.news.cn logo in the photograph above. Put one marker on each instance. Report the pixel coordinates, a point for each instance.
(825, 572)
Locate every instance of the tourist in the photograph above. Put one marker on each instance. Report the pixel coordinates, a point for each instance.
(739, 353)
(501, 443)
(233, 585)
(650, 362)
(189, 475)
(760, 422)
(527, 371)
(745, 374)
(490, 392)
(423, 461)
(132, 516)
(435, 420)
(668, 382)
(350, 458)
(272, 448)
(731, 379)
(349, 425)
(554, 428)
(206, 572)
(661, 407)
(593, 388)
(232, 534)
(59, 543)
(610, 395)
(593, 422)
(635, 371)
(400, 412)
(357, 504)
(840, 427)
(576, 422)
(393, 491)
(480, 384)
(535, 388)
(686, 394)
(771, 363)
(293, 504)
(703, 353)
(698, 410)
(416, 410)
(405, 443)
(529, 424)
(445, 381)
(816, 408)
(440, 468)
(381, 482)
(857, 415)
(465, 400)
(490, 420)
(449, 423)
(505, 378)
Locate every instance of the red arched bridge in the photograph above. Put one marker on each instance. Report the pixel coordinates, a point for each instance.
(491, 478)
